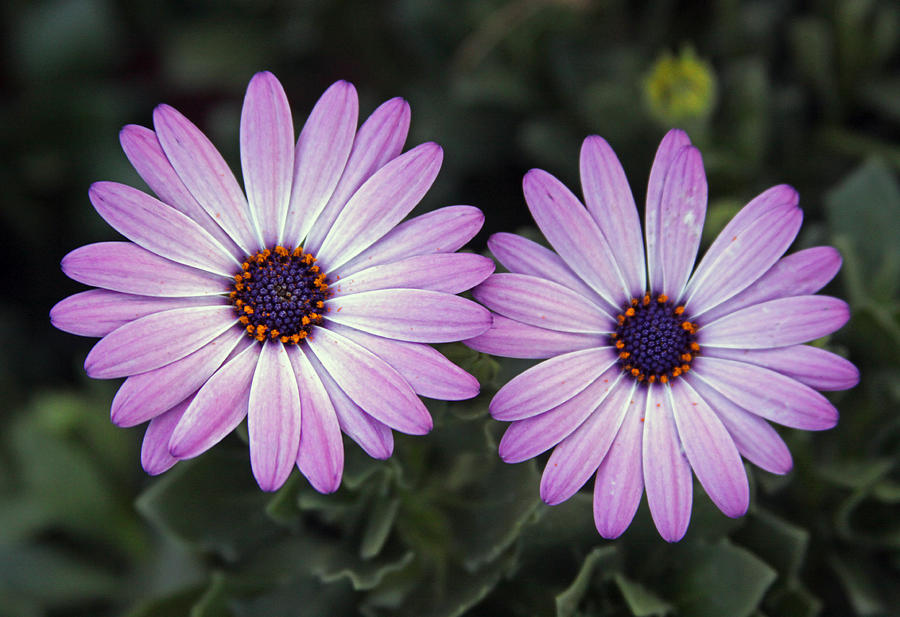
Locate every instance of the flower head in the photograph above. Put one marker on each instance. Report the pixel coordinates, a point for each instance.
(651, 371)
(301, 302)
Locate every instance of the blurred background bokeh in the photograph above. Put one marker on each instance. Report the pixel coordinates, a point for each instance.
(772, 91)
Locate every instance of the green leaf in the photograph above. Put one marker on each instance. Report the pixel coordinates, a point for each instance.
(378, 527)
(600, 557)
(641, 601)
(779, 543)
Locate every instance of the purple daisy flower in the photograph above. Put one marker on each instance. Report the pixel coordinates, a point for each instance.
(305, 306)
(651, 371)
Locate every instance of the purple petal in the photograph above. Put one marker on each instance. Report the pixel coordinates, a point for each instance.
(380, 203)
(206, 175)
(550, 383)
(374, 437)
(755, 438)
(579, 455)
(815, 367)
(218, 408)
(525, 439)
(370, 383)
(98, 312)
(126, 267)
(273, 417)
(523, 256)
(156, 340)
(322, 151)
(267, 153)
(321, 454)
(611, 204)
(441, 231)
(776, 323)
(667, 473)
(620, 477)
(448, 272)
(410, 315)
(804, 272)
(155, 457)
(767, 393)
(748, 247)
(542, 303)
(513, 339)
(572, 232)
(379, 139)
(146, 155)
(149, 394)
(162, 229)
(423, 367)
(668, 149)
(710, 450)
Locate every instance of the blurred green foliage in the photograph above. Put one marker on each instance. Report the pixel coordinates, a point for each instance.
(805, 92)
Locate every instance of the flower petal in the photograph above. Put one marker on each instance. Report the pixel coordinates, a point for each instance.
(572, 232)
(542, 303)
(767, 393)
(440, 231)
(422, 366)
(206, 175)
(815, 367)
(379, 139)
(578, 456)
(748, 247)
(670, 146)
(146, 395)
(550, 383)
(710, 450)
(98, 312)
(126, 267)
(448, 272)
(620, 477)
(776, 323)
(611, 204)
(370, 383)
(801, 273)
(380, 203)
(667, 473)
(155, 457)
(162, 229)
(321, 454)
(156, 340)
(513, 339)
(322, 151)
(410, 315)
(218, 408)
(267, 154)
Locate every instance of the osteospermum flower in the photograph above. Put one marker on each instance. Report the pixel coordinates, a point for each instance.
(652, 371)
(303, 306)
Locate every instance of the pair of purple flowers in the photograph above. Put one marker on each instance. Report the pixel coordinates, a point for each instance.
(306, 304)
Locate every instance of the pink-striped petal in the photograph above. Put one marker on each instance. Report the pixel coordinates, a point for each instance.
(776, 323)
(767, 393)
(370, 383)
(322, 151)
(410, 315)
(126, 267)
(155, 457)
(542, 303)
(267, 154)
(710, 450)
(667, 472)
(815, 367)
(550, 383)
(156, 340)
(206, 175)
(379, 139)
(609, 200)
(448, 272)
(380, 203)
(218, 408)
(512, 339)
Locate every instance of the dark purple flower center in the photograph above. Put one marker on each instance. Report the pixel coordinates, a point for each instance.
(656, 340)
(280, 294)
